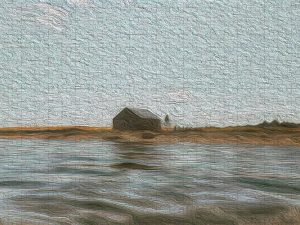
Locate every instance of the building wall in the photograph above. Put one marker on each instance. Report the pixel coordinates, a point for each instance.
(136, 124)
(126, 120)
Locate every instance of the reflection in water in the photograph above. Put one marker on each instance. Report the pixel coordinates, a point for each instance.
(138, 151)
(90, 182)
(137, 156)
(134, 166)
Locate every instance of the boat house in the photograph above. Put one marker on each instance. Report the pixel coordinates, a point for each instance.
(136, 119)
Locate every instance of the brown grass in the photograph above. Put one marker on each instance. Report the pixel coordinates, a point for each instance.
(257, 135)
(54, 128)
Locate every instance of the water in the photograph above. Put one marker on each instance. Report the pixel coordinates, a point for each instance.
(203, 62)
(93, 182)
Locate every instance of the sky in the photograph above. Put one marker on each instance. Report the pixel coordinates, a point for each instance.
(204, 63)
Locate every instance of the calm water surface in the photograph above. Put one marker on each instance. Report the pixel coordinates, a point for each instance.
(91, 182)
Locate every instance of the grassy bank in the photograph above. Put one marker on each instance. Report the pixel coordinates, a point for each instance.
(261, 134)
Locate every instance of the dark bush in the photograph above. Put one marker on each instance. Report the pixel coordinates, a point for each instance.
(148, 135)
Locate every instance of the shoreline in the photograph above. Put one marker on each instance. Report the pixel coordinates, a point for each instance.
(251, 134)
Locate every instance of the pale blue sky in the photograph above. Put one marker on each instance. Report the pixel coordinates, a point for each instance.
(203, 62)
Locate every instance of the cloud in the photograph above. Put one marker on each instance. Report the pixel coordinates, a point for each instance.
(180, 95)
(129, 2)
(43, 13)
(50, 15)
(78, 2)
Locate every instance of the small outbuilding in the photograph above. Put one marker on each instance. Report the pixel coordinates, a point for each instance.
(136, 119)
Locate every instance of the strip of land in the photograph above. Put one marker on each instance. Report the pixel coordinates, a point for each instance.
(279, 135)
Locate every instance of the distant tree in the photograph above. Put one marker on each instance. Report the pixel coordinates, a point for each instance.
(167, 120)
(175, 128)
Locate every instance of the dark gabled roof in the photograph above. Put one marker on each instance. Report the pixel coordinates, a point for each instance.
(143, 113)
